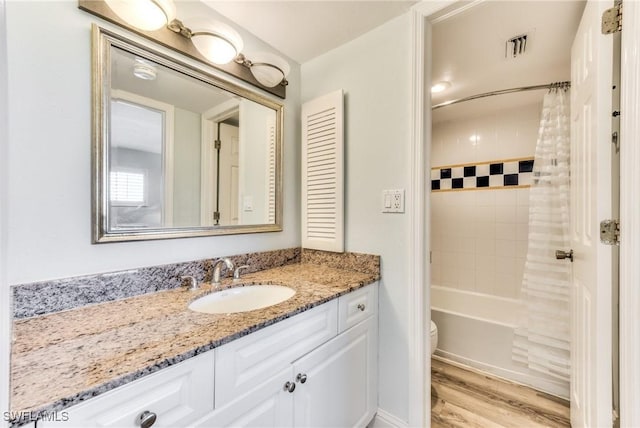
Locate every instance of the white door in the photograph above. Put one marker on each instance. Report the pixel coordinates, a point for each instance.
(591, 201)
(229, 161)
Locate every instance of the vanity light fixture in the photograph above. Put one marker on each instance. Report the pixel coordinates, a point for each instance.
(440, 86)
(268, 69)
(148, 15)
(212, 42)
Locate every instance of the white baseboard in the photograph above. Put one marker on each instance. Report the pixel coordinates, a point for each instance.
(387, 420)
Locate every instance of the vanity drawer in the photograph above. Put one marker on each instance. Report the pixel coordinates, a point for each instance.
(243, 364)
(177, 395)
(357, 306)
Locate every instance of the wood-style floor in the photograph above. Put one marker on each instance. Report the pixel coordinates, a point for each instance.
(465, 398)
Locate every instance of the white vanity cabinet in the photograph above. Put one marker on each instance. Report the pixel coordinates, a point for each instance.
(319, 383)
(175, 396)
(315, 369)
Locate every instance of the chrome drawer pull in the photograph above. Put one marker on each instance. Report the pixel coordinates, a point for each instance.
(289, 386)
(146, 419)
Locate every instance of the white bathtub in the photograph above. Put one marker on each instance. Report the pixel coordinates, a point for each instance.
(477, 330)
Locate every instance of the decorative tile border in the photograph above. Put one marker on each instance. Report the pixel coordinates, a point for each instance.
(483, 175)
(45, 297)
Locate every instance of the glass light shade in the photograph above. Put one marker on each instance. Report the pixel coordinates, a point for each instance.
(216, 41)
(440, 86)
(148, 15)
(268, 69)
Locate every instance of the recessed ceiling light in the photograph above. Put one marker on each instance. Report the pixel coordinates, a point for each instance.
(144, 70)
(440, 86)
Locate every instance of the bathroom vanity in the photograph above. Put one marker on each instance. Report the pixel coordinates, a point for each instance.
(150, 361)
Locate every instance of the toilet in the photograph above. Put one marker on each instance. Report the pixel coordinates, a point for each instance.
(434, 337)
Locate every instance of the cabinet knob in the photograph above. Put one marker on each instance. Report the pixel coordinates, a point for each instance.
(362, 307)
(289, 386)
(146, 419)
(302, 378)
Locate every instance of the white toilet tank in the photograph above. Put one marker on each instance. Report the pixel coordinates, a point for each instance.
(434, 336)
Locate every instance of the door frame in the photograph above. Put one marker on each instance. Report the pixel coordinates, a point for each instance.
(629, 350)
(419, 304)
(208, 167)
(5, 290)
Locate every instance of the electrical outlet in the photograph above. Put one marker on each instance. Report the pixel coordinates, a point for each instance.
(393, 201)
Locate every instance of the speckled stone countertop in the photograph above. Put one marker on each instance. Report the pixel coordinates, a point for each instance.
(63, 358)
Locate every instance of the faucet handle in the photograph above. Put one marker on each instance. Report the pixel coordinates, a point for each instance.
(236, 272)
(193, 283)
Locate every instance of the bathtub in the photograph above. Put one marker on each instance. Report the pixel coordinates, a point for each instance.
(476, 330)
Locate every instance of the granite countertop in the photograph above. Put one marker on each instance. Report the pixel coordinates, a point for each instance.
(63, 358)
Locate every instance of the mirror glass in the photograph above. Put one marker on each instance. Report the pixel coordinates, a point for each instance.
(179, 152)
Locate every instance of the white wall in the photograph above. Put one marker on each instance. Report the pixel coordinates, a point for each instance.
(479, 237)
(186, 172)
(5, 324)
(374, 71)
(254, 120)
(50, 156)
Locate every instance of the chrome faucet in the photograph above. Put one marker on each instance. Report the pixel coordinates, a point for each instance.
(191, 280)
(236, 273)
(216, 269)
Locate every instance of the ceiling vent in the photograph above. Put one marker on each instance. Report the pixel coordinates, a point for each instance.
(516, 46)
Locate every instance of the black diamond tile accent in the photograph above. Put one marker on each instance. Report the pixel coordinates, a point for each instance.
(470, 171)
(445, 173)
(435, 184)
(496, 168)
(525, 166)
(457, 183)
(482, 181)
(511, 179)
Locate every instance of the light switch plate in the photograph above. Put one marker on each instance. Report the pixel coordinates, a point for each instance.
(393, 201)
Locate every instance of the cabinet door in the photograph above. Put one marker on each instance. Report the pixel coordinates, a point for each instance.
(267, 405)
(340, 389)
(251, 360)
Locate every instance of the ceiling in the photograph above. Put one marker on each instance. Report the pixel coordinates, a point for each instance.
(469, 51)
(305, 29)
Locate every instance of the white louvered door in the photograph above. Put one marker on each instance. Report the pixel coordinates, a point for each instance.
(323, 173)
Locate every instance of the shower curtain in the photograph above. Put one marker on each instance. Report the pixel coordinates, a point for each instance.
(542, 338)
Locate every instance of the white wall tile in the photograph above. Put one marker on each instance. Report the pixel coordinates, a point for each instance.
(481, 237)
(505, 231)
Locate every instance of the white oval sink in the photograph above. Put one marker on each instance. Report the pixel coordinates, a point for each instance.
(242, 299)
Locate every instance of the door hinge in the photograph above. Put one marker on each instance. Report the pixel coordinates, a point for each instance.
(612, 19)
(217, 144)
(610, 232)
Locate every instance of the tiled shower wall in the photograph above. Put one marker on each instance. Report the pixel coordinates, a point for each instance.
(479, 236)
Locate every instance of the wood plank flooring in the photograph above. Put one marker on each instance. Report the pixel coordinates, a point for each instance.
(465, 398)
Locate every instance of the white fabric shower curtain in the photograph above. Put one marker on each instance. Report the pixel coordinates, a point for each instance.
(542, 338)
